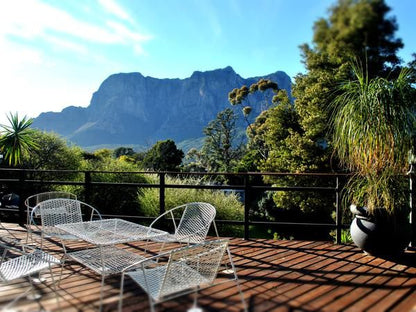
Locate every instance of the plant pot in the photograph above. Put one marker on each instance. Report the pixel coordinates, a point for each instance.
(379, 234)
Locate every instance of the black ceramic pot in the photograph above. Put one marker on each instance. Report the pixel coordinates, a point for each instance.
(378, 234)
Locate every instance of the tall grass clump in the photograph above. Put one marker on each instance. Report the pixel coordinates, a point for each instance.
(228, 206)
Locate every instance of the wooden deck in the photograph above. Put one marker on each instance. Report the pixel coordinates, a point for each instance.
(274, 275)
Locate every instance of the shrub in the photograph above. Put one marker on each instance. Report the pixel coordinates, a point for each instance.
(112, 199)
(228, 205)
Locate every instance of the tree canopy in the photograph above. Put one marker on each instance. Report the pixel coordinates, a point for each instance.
(356, 31)
(221, 149)
(164, 156)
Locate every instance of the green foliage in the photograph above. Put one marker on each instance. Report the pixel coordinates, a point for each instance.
(193, 161)
(112, 199)
(16, 139)
(228, 205)
(220, 151)
(52, 153)
(102, 154)
(373, 125)
(354, 30)
(297, 139)
(123, 151)
(345, 236)
(239, 96)
(163, 156)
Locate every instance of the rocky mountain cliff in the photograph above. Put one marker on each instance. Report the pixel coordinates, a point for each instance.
(130, 109)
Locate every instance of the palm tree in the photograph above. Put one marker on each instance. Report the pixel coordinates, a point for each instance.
(373, 122)
(16, 139)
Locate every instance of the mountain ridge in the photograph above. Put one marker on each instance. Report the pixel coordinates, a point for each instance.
(131, 109)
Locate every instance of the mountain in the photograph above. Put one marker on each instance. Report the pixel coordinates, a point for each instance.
(130, 109)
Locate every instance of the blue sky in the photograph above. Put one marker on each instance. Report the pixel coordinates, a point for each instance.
(54, 54)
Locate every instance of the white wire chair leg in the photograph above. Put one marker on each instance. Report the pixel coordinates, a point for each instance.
(34, 296)
(28, 228)
(152, 304)
(102, 279)
(11, 303)
(62, 260)
(146, 245)
(120, 300)
(161, 248)
(54, 286)
(101, 292)
(216, 230)
(195, 307)
(236, 280)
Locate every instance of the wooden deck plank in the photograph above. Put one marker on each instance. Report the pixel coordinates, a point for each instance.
(274, 276)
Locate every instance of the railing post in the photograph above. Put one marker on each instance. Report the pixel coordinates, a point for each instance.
(162, 192)
(246, 207)
(87, 186)
(338, 219)
(412, 199)
(22, 214)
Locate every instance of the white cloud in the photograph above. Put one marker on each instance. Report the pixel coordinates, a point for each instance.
(126, 34)
(67, 45)
(38, 74)
(31, 19)
(112, 7)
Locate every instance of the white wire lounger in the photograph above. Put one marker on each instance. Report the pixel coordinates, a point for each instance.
(185, 271)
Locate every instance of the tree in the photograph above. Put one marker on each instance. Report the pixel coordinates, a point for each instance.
(240, 96)
(123, 151)
(356, 30)
(221, 150)
(256, 149)
(164, 156)
(298, 140)
(194, 161)
(16, 139)
(52, 153)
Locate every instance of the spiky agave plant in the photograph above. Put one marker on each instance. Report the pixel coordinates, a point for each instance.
(373, 122)
(16, 139)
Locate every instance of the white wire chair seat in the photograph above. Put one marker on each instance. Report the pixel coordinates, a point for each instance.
(19, 261)
(179, 272)
(32, 201)
(25, 265)
(105, 260)
(193, 226)
(57, 211)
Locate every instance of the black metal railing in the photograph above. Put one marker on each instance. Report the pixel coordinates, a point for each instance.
(29, 182)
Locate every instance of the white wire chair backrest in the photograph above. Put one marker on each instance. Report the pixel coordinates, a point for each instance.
(58, 211)
(63, 210)
(195, 221)
(192, 266)
(33, 200)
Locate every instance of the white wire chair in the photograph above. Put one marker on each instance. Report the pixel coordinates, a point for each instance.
(20, 261)
(61, 211)
(35, 199)
(193, 226)
(180, 272)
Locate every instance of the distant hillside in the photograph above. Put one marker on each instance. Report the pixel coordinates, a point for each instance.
(130, 109)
